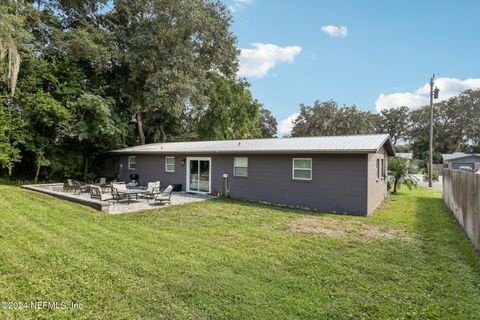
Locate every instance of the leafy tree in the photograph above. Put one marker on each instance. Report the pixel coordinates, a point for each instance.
(167, 50)
(11, 136)
(403, 148)
(13, 38)
(328, 119)
(398, 169)
(98, 130)
(48, 120)
(455, 126)
(230, 113)
(267, 124)
(395, 121)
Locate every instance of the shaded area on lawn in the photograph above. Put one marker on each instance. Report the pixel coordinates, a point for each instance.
(236, 260)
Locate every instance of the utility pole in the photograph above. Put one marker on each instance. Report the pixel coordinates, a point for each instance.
(430, 162)
(433, 95)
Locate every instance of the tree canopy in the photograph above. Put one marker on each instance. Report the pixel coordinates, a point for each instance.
(79, 78)
(328, 119)
(455, 124)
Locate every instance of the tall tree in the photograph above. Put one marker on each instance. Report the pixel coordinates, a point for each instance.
(11, 137)
(395, 121)
(13, 38)
(455, 126)
(267, 124)
(97, 129)
(167, 49)
(230, 111)
(327, 118)
(48, 120)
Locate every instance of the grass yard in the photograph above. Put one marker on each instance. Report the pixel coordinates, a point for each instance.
(234, 260)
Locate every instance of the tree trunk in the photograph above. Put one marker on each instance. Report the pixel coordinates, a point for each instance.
(85, 171)
(395, 181)
(141, 134)
(37, 173)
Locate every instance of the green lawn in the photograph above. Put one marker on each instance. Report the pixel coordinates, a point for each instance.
(236, 260)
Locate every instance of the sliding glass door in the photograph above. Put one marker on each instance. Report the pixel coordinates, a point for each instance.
(198, 175)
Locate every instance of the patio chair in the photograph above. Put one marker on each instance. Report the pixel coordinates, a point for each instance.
(69, 186)
(96, 193)
(80, 186)
(119, 186)
(153, 188)
(102, 182)
(164, 196)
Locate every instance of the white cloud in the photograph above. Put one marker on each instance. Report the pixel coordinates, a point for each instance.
(237, 4)
(449, 87)
(334, 31)
(400, 99)
(285, 126)
(258, 61)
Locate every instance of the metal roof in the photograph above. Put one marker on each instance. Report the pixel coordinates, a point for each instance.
(331, 144)
(458, 155)
(406, 155)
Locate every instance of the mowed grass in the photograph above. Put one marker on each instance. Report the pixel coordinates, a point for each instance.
(225, 259)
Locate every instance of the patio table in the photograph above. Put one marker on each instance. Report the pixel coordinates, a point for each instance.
(132, 192)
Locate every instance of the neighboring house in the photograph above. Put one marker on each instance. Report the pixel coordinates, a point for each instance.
(342, 174)
(460, 159)
(405, 155)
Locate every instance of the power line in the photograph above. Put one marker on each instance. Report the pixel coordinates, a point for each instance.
(412, 127)
(463, 116)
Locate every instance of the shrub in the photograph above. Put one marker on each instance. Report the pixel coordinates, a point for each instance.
(435, 174)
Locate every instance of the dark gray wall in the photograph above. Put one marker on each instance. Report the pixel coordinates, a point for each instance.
(339, 181)
(152, 168)
(467, 161)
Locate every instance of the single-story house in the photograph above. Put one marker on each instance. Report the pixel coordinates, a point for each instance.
(341, 174)
(460, 159)
(405, 155)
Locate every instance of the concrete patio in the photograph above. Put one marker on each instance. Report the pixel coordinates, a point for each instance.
(114, 207)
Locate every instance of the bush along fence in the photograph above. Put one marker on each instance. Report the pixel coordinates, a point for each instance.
(461, 193)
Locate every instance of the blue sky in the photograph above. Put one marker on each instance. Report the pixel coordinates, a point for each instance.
(374, 54)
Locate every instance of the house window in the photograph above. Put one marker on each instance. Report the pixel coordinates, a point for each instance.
(383, 168)
(378, 169)
(302, 169)
(132, 163)
(240, 166)
(170, 164)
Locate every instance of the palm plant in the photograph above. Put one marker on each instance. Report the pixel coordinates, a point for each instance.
(398, 170)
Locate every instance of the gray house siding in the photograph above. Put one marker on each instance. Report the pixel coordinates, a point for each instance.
(339, 181)
(471, 161)
(152, 168)
(377, 188)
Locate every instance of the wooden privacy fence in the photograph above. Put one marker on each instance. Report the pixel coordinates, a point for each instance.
(461, 193)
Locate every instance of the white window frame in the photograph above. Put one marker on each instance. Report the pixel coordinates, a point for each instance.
(187, 175)
(130, 162)
(234, 167)
(166, 164)
(311, 169)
